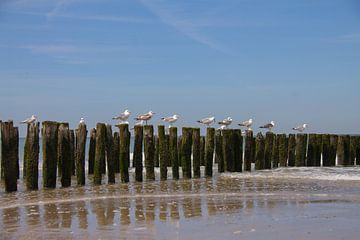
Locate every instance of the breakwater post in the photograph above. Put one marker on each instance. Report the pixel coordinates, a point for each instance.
(100, 147)
(124, 152)
(92, 148)
(162, 152)
(32, 156)
(219, 150)
(343, 150)
(186, 152)
(138, 155)
(81, 134)
(283, 150)
(300, 154)
(291, 150)
(248, 150)
(110, 157)
(260, 152)
(269, 141)
(149, 152)
(275, 152)
(72, 151)
(196, 152)
(174, 156)
(116, 138)
(209, 151)
(50, 152)
(64, 154)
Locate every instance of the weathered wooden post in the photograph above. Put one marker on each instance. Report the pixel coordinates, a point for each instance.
(167, 146)
(300, 154)
(343, 150)
(72, 152)
(218, 150)
(17, 152)
(99, 152)
(291, 150)
(162, 152)
(149, 152)
(209, 151)
(311, 154)
(64, 154)
(228, 150)
(173, 146)
(92, 147)
(269, 141)
(9, 154)
(116, 138)
(110, 157)
(275, 152)
(248, 150)
(32, 156)
(26, 149)
(318, 150)
(157, 152)
(283, 150)
(260, 152)
(326, 149)
(179, 149)
(81, 134)
(186, 152)
(196, 151)
(124, 152)
(202, 151)
(238, 147)
(333, 149)
(138, 155)
(353, 143)
(50, 152)
(357, 151)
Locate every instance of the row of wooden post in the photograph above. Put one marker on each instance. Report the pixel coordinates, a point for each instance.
(64, 152)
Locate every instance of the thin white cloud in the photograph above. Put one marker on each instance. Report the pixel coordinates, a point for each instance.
(353, 37)
(51, 49)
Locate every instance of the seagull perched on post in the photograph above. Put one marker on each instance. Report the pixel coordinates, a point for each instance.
(269, 125)
(300, 128)
(171, 119)
(32, 119)
(82, 121)
(207, 121)
(123, 117)
(226, 122)
(247, 124)
(146, 117)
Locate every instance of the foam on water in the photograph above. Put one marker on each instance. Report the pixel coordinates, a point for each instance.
(314, 173)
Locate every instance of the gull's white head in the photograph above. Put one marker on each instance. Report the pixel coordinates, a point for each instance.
(176, 116)
(151, 113)
(212, 119)
(250, 120)
(127, 111)
(229, 118)
(272, 123)
(33, 116)
(305, 125)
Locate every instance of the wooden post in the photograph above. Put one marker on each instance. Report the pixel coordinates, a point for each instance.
(138, 155)
(283, 150)
(124, 152)
(173, 146)
(343, 150)
(92, 147)
(116, 152)
(218, 150)
(196, 152)
(318, 150)
(179, 149)
(157, 152)
(110, 157)
(300, 155)
(275, 152)
(326, 149)
(248, 150)
(16, 150)
(167, 146)
(333, 149)
(228, 149)
(291, 150)
(9, 154)
(149, 152)
(32, 157)
(269, 141)
(353, 142)
(260, 152)
(26, 149)
(64, 154)
(238, 147)
(73, 151)
(357, 151)
(311, 154)
(209, 151)
(81, 134)
(186, 152)
(99, 152)
(162, 152)
(50, 152)
(202, 151)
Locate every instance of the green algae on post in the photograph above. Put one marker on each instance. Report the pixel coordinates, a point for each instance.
(50, 152)
(124, 152)
(81, 134)
(186, 152)
(110, 157)
(283, 150)
(260, 152)
(99, 152)
(138, 155)
(209, 151)
(173, 146)
(162, 152)
(32, 157)
(196, 151)
(149, 152)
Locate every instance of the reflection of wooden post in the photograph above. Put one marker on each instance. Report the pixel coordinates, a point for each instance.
(162, 152)
(343, 150)
(124, 152)
(110, 157)
(50, 152)
(99, 152)
(81, 134)
(32, 157)
(218, 150)
(138, 155)
(186, 152)
(196, 151)
(291, 150)
(92, 147)
(9, 154)
(173, 146)
(269, 141)
(149, 152)
(260, 152)
(300, 155)
(248, 150)
(209, 151)
(64, 154)
(283, 150)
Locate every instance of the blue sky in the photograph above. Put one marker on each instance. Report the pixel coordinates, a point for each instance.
(284, 60)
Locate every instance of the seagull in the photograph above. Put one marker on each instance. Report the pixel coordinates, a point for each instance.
(222, 127)
(300, 128)
(32, 119)
(269, 125)
(146, 117)
(226, 122)
(123, 117)
(207, 121)
(82, 121)
(171, 119)
(247, 124)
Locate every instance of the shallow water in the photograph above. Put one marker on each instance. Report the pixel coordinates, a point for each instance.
(300, 203)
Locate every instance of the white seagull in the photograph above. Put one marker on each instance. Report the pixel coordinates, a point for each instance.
(226, 122)
(123, 117)
(207, 121)
(247, 124)
(146, 117)
(300, 128)
(32, 119)
(171, 119)
(82, 121)
(269, 125)
(222, 127)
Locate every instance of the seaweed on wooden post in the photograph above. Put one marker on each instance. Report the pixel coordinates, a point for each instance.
(64, 154)
(149, 152)
(110, 157)
(291, 150)
(72, 151)
(162, 152)
(300, 154)
(50, 152)
(343, 150)
(186, 152)
(124, 152)
(283, 150)
(99, 152)
(260, 152)
(269, 141)
(228, 150)
(209, 151)
(238, 147)
(92, 147)
(32, 157)
(196, 152)
(9, 154)
(248, 150)
(219, 150)
(116, 138)
(173, 146)
(138, 155)
(81, 134)
(275, 152)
